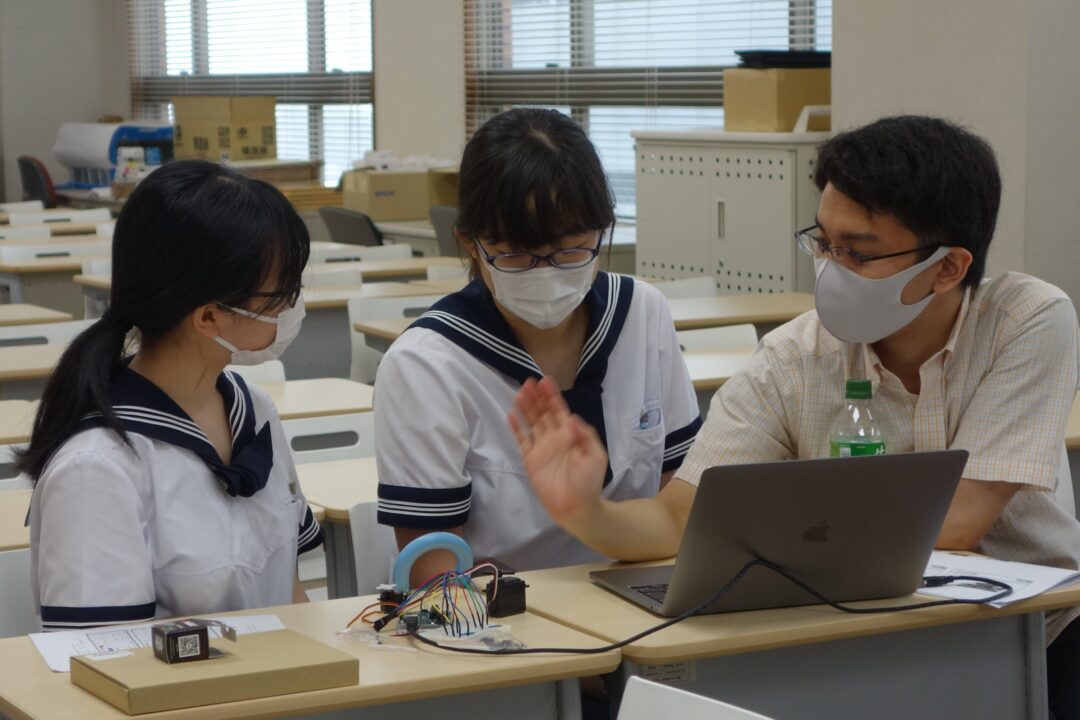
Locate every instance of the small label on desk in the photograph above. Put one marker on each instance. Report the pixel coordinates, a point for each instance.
(669, 673)
(111, 655)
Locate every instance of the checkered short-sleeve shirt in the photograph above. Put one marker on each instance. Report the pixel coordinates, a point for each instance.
(1001, 388)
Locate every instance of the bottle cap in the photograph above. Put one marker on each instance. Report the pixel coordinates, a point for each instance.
(859, 390)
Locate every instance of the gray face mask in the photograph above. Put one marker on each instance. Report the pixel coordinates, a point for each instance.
(857, 309)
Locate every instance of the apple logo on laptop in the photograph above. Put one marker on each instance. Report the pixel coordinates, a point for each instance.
(817, 533)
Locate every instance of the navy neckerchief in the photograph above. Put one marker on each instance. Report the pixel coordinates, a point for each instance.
(470, 319)
(144, 408)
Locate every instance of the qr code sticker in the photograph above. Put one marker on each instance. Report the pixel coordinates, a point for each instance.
(187, 646)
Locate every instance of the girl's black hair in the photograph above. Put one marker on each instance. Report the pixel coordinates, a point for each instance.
(529, 177)
(191, 233)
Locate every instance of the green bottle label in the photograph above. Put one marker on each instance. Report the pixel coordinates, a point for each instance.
(855, 449)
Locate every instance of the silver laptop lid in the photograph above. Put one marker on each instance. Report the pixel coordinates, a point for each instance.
(852, 528)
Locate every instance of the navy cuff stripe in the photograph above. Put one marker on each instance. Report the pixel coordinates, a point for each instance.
(90, 615)
(677, 443)
(427, 508)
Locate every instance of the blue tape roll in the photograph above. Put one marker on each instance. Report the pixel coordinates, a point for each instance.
(432, 541)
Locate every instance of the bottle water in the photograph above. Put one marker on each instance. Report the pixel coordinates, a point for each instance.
(855, 432)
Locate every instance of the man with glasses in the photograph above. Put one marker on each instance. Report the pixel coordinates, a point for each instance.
(907, 212)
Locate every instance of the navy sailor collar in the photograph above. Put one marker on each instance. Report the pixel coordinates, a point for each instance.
(470, 319)
(144, 408)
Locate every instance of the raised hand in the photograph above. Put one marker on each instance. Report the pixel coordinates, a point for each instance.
(563, 455)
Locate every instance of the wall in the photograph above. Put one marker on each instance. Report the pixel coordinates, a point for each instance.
(997, 67)
(60, 60)
(420, 77)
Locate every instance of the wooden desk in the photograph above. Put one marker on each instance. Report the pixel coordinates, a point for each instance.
(14, 535)
(710, 370)
(319, 397)
(426, 683)
(815, 662)
(335, 487)
(764, 311)
(84, 200)
(46, 282)
(444, 285)
(16, 420)
(25, 368)
(379, 334)
(24, 314)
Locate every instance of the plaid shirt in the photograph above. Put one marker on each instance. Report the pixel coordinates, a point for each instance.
(1001, 388)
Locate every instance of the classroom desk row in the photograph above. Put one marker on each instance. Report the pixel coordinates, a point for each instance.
(294, 400)
(808, 663)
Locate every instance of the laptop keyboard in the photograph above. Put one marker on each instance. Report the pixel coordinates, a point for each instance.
(653, 592)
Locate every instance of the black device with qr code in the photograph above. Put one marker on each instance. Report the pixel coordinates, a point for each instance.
(186, 640)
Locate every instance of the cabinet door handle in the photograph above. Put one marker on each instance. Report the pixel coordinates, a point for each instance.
(720, 219)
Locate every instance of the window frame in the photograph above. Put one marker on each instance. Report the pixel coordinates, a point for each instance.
(150, 93)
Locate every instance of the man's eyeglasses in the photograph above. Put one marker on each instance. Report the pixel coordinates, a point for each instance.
(822, 249)
(514, 262)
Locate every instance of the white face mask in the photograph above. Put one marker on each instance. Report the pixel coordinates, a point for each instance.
(857, 309)
(288, 327)
(542, 297)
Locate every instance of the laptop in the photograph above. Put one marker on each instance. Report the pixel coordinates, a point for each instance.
(859, 528)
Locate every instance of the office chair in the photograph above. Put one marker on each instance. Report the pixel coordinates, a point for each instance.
(37, 185)
(443, 218)
(350, 226)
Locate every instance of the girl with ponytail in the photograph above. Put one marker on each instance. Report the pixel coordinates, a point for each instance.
(163, 483)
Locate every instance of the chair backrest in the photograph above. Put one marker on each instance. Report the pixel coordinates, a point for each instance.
(23, 252)
(443, 218)
(688, 288)
(24, 206)
(1065, 493)
(24, 232)
(266, 373)
(9, 478)
(105, 229)
(36, 183)
(350, 226)
(97, 267)
(365, 360)
(646, 700)
(331, 437)
(397, 251)
(37, 218)
(60, 333)
(18, 614)
(374, 547)
(447, 272)
(332, 275)
(730, 337)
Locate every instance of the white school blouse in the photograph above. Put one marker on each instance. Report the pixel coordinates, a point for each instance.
(447, 457)
(161, 528)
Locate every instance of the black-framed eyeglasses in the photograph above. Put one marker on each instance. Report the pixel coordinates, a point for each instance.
(822, 249)
(564, 258)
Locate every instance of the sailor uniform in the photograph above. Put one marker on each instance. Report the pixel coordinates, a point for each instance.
(159, 526)
(447, 457)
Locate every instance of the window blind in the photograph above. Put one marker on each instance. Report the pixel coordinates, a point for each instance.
(314, 56)
(622, 65)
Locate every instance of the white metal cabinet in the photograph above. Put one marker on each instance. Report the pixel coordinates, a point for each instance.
(726, 205)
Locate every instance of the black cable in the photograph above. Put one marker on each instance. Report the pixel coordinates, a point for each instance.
(935, 581)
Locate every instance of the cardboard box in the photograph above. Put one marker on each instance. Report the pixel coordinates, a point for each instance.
(771, 100)
(387, 194)
(264, 664)
(219, 127)
(442, 186)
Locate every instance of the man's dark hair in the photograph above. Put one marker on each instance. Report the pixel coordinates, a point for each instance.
(938, 179)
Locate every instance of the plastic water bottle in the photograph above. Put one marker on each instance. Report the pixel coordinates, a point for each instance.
(855, 432)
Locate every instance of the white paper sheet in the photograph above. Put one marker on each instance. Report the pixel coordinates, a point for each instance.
(57, 648)
(1026, 580)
